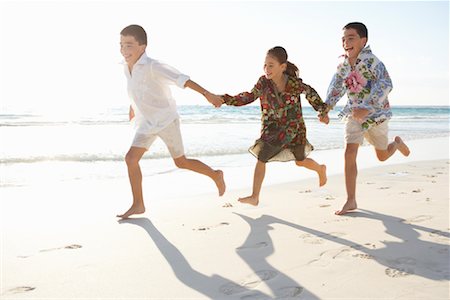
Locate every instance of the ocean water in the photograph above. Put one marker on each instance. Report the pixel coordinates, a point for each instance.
(93, 146)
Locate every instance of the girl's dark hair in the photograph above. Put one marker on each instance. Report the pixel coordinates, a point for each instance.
(137, 32)
(360, 28)
(280, 54)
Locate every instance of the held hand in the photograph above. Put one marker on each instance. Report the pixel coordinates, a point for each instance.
(214, 99)
(324, 118)
(131, 114)
(359, 114)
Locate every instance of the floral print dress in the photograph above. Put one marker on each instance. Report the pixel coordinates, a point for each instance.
(283, 130)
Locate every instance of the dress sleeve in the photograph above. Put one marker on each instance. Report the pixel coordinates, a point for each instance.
(169, 74)
(314, 99)
(245, 97)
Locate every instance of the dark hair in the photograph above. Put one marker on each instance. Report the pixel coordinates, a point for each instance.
(280, 54)
(360, 28)
(137, 32)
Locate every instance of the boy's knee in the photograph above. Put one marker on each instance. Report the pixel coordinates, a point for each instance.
(131, 159)
(181, 162)
(351, 152)
(299, 163)
(382, 156)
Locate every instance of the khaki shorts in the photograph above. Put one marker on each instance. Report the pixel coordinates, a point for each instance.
(376, 136)
(171, 136)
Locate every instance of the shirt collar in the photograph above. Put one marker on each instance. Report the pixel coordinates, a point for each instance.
(141, 61)
(365, 51)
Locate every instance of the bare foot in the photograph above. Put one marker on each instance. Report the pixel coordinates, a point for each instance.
(322, 175)
(134, 210)
(401, 146)
(348, 207)
(220, 182)
(250, 200)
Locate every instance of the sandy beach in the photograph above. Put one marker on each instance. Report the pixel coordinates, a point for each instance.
(64, 242)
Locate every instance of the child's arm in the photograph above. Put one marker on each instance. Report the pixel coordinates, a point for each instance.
(381, 87)
(212, 98)
(324, 118)
(314, 99)
(131, 113)
(245, 97)
(336, 90)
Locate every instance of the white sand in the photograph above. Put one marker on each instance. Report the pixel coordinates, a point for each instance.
(63, 242)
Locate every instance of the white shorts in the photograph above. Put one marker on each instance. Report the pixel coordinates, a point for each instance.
(171, 136)
(376, 136)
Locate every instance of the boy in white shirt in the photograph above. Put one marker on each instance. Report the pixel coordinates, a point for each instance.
(154, 110)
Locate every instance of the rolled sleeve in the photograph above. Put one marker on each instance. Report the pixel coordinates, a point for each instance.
(169, 74)
(181, 81)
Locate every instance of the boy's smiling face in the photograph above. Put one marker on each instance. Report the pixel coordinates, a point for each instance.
(352, 43)
(130, 49)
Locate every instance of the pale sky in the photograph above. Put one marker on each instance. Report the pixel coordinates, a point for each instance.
(63, 56)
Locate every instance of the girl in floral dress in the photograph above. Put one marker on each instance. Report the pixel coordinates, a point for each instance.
(283, 131)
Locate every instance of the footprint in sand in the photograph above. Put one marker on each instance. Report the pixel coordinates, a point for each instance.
(401, 267)
(249, 282)
(213, 226)
(320, 239)
(398, 272)
(20, 289)
(417, 191)
(398, 173)
(417, 219)
(363, 255)
(384, 187)
(73, 246)
(288, 292)
(254, 246)
(429, 176)
(324, 205)
(305, 191)
(325, 258)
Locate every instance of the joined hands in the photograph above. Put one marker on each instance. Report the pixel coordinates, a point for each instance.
(214, 99)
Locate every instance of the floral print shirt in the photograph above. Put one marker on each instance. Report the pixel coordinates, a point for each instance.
(282, 121)
(367, 85)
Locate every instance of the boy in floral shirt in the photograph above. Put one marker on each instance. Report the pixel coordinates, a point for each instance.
(367, 83)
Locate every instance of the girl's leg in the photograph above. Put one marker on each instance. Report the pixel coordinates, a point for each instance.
(313, 165)
(199, 167)
(258, 177)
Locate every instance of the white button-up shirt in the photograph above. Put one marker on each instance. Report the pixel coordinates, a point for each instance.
(150, 95)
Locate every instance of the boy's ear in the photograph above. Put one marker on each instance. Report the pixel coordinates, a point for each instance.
(364, 40)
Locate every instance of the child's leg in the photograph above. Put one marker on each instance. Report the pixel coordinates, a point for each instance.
(378, 137)
(171, 136)
(132, 159)
(199, 167)
(258, 178)
(313, 165)
(397, 144)
(351, 172)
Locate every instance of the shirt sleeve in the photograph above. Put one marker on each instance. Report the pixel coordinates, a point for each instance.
(245, 97)
(336, 90)
(381, 87)
(169, 74)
